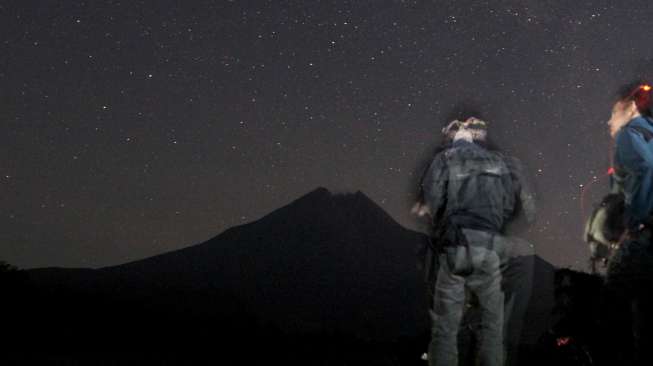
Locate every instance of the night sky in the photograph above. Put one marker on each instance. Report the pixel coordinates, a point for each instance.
(138, 127)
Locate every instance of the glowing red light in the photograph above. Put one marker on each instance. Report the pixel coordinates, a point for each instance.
(611, 171)
(563, 341)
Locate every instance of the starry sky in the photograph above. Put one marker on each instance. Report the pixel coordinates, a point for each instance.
(132, 128)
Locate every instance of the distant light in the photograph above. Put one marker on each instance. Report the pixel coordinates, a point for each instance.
(563, 341)
(646, 87)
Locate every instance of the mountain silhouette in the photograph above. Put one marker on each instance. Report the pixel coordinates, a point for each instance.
(324, 263)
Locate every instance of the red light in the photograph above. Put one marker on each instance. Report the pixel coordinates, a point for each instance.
(563, 341)
(611, 171)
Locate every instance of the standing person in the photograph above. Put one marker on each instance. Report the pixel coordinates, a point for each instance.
(469, 192)
(629, 278)
(517, 263)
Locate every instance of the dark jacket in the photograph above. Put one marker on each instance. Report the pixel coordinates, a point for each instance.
(475, 188)
(633, 160)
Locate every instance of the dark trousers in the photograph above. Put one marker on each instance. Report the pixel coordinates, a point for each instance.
(628, 307)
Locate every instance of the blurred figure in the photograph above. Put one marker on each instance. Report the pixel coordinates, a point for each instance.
(604, 230)
(629, 279)
(470, 192)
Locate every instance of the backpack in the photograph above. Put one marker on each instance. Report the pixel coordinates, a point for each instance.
(604, 229)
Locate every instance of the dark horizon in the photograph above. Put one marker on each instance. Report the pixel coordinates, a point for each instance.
(317, 190)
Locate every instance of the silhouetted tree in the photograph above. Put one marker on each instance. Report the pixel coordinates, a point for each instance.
(12, 280)
(6, 267)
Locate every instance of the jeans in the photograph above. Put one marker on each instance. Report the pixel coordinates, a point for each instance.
(517, 265)
(484, 281)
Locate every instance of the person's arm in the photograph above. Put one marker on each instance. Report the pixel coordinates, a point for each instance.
(635, 153)
(434, 185)
(636, 159)
(419, 208)
(522, 189)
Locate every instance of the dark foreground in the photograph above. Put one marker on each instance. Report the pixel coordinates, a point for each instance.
(63, 326)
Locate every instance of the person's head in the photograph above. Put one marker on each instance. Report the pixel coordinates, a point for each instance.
(633, 100)
(471, 129)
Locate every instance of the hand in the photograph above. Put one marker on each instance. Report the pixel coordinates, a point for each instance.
(420, 209)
